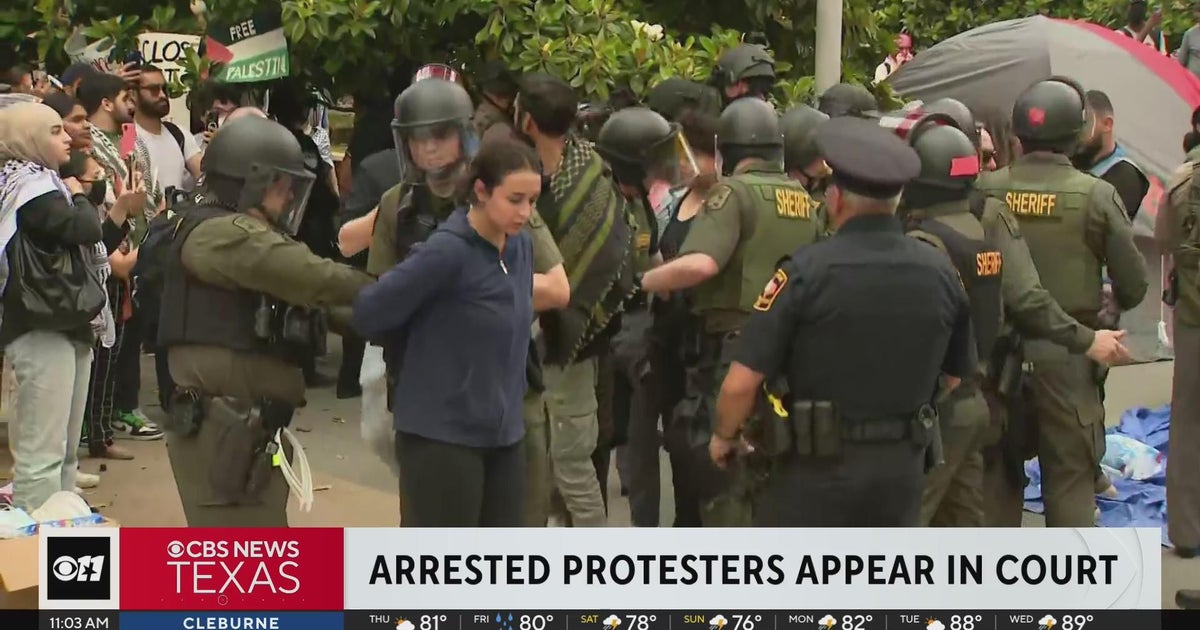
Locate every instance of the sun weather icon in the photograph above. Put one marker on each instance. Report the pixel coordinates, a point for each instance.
(827, 622)
(504, 623)
(404, 624)
(934, 624)
(1047, 622)
(717, 623)
(611, 622)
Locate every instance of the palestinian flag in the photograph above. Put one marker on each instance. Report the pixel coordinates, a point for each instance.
(249, 50)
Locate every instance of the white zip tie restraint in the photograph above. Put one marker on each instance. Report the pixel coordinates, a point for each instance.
(1163, 338)
(300, 479)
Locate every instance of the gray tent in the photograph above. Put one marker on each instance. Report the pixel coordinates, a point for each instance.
(988, 67)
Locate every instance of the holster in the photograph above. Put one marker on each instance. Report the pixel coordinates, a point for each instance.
(816, 430)
(244, 448)
(927, 433)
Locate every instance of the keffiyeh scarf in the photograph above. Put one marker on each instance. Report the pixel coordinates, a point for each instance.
(21, 181)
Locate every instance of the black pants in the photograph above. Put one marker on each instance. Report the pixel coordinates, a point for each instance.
(449, 485)
(129, 366)
(103, 384)
(353, 347)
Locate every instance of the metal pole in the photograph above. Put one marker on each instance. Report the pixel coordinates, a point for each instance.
(829, 44)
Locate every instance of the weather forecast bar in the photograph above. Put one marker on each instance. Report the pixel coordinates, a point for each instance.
(604, 620)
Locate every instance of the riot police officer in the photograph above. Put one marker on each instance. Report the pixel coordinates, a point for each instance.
(435, 138)
(861, 364)
(745, 70)
(648, 156)
(753, 217)
(801, 159)
(985, 247)
(1075, 225)
(235, 327)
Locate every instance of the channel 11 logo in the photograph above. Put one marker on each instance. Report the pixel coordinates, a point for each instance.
(78, 568)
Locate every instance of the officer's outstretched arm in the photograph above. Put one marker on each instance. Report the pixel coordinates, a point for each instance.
(387, 306)
(1110, 236)
(711, 242)
(243, 252)
(1034, 312)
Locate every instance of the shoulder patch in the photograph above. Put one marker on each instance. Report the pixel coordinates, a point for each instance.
(643, 241)
(249, 224)
(718, 198)
(771, 291)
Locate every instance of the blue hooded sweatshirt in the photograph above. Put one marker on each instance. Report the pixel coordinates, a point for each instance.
(455, 318)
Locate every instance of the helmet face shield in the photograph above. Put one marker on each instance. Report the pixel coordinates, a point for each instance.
(436, 71)
(728, 160)
(672, 159)
(432, 153)
(281, 194)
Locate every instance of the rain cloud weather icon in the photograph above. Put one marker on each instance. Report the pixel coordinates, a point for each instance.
(718, 622)
(612, 621)
(1047, 622)
(827, 622)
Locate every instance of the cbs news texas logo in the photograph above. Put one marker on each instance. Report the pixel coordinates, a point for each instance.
(79, 568)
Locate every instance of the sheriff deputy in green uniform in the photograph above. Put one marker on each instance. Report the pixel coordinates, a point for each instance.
(997, 272)
(753, 218)
(235, 326)
(1074, 224)
(1177, 232)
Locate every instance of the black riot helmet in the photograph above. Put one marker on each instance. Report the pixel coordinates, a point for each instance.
(748, 128)
(799, 126)
(1050, 115)
(948, 157)
(743, 62)
(432, 118)
(964, 119)
(640, 144)
(254, 162)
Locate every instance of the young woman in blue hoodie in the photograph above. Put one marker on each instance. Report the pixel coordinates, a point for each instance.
(456, 315)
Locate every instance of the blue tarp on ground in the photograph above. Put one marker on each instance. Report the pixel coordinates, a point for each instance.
(1139, 503)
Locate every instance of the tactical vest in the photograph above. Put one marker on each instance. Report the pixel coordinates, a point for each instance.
(979, 264)
(418, 215)
(1052, 216)
(1118, 156)
(778, 217)
(1186, 257)
(198, 313)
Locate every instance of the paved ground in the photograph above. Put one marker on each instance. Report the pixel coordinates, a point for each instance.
(356, 489)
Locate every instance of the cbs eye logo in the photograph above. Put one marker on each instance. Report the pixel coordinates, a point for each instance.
(78, 568)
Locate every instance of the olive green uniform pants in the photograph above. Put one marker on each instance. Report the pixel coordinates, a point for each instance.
(1183, 481)
(1069, 420)
(953, 495)
(537, 461)
(574, 428)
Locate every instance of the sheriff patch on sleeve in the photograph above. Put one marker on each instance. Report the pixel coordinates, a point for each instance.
(771, 291)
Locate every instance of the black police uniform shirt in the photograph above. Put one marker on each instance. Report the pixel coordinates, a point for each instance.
(867, 319)
(456, 313)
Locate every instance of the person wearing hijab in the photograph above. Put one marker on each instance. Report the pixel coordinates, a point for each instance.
(51, 366)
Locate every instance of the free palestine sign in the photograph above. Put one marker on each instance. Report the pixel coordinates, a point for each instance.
(251, 50)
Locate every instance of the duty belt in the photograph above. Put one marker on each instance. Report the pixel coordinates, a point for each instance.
(893, 429)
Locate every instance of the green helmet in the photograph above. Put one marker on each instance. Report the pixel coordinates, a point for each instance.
(799, 126)
(964, 119)
(743, 62)
(433, 109)
(266, 159)
(748, 128)
(1051, 114)
(948, 157)
(639, 143)
(674, 96)
(847, 99)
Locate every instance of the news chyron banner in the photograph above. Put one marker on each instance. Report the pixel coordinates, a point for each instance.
(601, 579)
